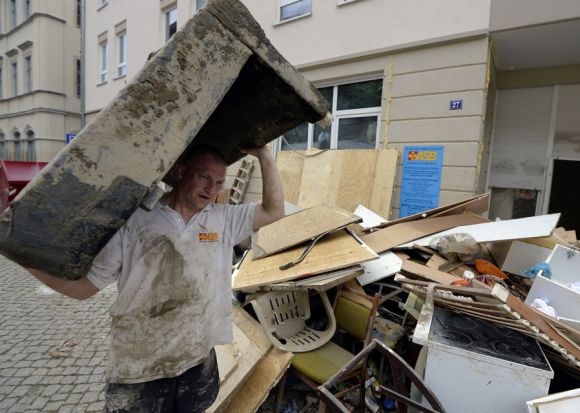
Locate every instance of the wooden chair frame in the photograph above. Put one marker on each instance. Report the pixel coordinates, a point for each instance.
(398, 367)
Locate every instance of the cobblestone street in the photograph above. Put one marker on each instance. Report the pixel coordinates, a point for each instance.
(53, 349)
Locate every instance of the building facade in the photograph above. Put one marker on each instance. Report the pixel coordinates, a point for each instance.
(390, 70)
(40, 84)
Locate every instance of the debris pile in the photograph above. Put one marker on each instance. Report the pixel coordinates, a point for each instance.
(464, 304)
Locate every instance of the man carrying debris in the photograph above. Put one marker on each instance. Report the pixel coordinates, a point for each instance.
(172, 266)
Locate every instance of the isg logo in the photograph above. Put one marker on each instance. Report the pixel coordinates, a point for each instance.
(422, 156)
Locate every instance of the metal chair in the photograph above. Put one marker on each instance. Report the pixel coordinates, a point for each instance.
(399, 370)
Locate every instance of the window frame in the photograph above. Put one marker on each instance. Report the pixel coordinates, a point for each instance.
(284, 3)
(78, 77)
(343, 114)
(17, 144)
(14, 76)
(30, 145)
(28, 73)
(167, 14)
(121, 40)
(103, 61)
(27, 9)
(12, 14)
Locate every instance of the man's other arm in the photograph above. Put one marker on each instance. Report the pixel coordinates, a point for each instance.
(271, 208)
(80, 289)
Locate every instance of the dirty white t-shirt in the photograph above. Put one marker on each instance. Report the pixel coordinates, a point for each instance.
(174, 283)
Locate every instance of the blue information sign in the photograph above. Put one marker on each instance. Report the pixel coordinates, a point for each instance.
(70, 137)
(456, 104)
(421, 179)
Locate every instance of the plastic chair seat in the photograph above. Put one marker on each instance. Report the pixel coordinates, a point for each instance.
(283, 316)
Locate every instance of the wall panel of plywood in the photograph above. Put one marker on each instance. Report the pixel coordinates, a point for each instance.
(344, 178)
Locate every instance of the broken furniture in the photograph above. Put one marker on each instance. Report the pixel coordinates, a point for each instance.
(477, 366)
(283, 315)
(502, 308)
(335, 251)
(564, 402)
(355, 314)
(243, 362)
(399, 371)
(218, 81)
(306, 225)
(564, 264)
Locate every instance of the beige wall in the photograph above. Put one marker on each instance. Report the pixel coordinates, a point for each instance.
(51, 109)
(508, 14)
(364, 27)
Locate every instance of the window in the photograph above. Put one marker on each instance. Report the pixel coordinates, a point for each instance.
(170, 23)
(3, 148)
(13, 13)
(14, 74)
(290, 9)
(356, 108)
(104, 61)
(26, 9)
(199, 4)
(79, 14)
(1, 85)
(122, 53)
(17, 149)
(28, 73)
(78, 80)
(30, 146)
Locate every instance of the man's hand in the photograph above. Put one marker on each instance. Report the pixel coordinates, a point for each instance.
(257, 151)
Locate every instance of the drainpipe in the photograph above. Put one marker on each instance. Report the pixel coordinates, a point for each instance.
(83, 29)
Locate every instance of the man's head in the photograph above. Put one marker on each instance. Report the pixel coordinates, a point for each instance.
(201, 173)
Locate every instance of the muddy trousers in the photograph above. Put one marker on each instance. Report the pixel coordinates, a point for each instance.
(192, 392)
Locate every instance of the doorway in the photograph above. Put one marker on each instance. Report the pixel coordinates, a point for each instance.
(565, 193)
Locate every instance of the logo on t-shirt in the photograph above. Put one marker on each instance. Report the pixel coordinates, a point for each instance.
(208, 236)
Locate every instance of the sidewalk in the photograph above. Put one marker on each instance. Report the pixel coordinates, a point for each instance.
(53, 349)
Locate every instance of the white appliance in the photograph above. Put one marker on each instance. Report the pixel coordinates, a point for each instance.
(476, 366)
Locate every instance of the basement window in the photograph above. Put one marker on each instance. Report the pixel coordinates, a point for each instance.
(292, 9)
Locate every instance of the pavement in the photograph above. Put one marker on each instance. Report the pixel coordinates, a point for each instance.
(53, 349)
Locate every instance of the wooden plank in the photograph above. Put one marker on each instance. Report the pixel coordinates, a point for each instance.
(505, 230)
(396, 235)
(339, 250)
(299, 227)
(428, 273)
(249, 347)
(384, 181)
(476, 205)
(256, 388)
(318, 283)
(289, 164)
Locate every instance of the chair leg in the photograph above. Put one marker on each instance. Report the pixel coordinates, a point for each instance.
(280, 399)
(362, 380)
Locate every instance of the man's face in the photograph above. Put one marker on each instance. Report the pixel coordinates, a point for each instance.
(201, 182)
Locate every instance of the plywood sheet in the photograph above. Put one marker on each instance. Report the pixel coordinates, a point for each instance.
(299, 227)
(384, 181)
(509, 229)
(289, 164)
(344, 178)
(339, 250)
(318, 283)
(256, 388)
(393, 236)
(249, 347)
